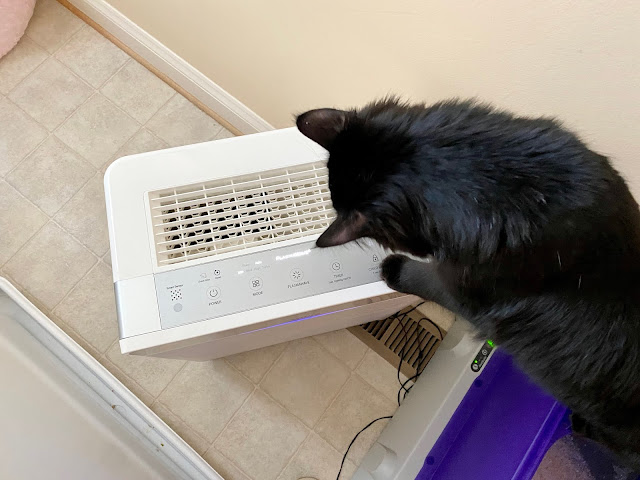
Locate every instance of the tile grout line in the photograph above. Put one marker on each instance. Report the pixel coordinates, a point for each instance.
(267, 394)
(355, 370)
(356, 374)
(49, 55)
(295, 453)
(360, 362)
(117, 368)
(36, 147)
(3, 266)
(321, 416)
(52, 133)
(226, 425)
(312, 430)
(19, 286)
(100, 354)
(338, 358)
(84, 24)
(115, 156)
(256, 384)
(231, 462)
(99, 256)
(184, 365)
(49, 219)
(156, 401)
(327, 409)
(92, 268)
(238, 371)
(104, 82)
(111, 345)
(362, 359)
(144, 125)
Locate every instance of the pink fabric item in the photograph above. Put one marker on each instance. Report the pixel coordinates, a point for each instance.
(14, 18)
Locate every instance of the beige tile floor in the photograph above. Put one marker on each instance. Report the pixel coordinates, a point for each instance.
(70, 103)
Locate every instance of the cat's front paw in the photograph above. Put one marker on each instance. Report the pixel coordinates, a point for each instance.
(392, 271)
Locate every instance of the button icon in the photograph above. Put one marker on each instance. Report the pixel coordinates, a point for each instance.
(296, 274)
(216, 272)
(203, 275)
(335, 266)
(256, 283)
(475, 367)
(213, 293)
(484, 352)
(375, 258)
(177, 307)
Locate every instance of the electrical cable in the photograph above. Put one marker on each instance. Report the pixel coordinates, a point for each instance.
(355, 438)
(404, 342)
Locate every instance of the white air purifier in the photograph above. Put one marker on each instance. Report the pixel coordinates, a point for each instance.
(213, 249)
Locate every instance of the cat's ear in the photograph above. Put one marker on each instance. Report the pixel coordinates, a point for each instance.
(344, 229)
(322, 125)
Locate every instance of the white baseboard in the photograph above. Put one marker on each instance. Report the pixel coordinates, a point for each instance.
(173, 66)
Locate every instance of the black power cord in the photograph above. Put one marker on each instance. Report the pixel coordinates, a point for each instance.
(401, 317)
(355, 438)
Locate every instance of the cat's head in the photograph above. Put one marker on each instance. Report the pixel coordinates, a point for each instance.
(371, 178)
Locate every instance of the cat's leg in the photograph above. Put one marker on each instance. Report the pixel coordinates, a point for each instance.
(418, 278)
(579, 425)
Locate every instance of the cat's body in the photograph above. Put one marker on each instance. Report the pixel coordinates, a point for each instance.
(533, 238)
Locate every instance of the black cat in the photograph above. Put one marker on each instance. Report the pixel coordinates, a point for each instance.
(526, 232)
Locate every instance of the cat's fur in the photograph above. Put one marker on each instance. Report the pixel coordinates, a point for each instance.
(534, 238)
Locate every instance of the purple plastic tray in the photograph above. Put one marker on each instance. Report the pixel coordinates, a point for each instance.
(501, 430)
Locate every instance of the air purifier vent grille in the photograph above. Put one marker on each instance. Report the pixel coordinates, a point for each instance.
(231, 214)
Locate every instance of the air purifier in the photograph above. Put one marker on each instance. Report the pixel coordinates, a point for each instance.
(213, 249)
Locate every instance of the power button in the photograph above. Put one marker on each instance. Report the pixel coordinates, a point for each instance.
(213, 293)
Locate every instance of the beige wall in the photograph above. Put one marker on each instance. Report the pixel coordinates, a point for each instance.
(579, 60)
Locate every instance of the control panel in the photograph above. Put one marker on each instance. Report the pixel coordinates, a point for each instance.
(223, 287)
(482, 355)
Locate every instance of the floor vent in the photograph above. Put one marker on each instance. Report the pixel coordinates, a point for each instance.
(409, 334)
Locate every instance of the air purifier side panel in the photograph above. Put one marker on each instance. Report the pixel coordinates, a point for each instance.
(131, 255)
(211, 348)
(137, 306)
